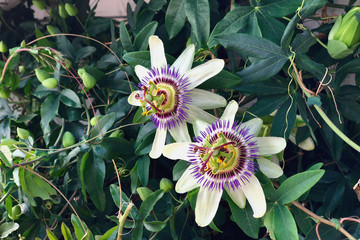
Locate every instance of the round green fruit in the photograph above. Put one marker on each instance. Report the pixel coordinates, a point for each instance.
(50, 83)
(166, 185)
(71, 9)
(3, 47)
(88, 80)
(62, 11)
(68, 139)
(41, 74)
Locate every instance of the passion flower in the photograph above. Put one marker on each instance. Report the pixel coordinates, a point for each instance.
(168, 93)
(223, 157)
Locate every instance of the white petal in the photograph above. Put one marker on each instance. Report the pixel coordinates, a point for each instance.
(184, 62)
(157, 52)
(207, 203)
(198, 113)
(270, 169)
(254, 125)
(141, 71)
(199, 125)
(177, 150)
(206, 100)
(158, 144)
(203, 72)
(270, 145)
(255, 195)
(307, 145)
(186, 182)
(180, 133)
(237, 196)
(132, 100)
(230, 112)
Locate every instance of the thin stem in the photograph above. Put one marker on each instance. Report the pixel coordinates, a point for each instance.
(122, 220)
(322, 220)
(87, 117)
(6, 195)
(61, 132)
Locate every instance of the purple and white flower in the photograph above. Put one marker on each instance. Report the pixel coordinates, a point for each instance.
(168, 93)
(223, 158)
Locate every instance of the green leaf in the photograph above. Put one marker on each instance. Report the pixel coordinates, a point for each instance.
(105, 124)
(214, 227)
(302, 220)
(6, 156)
(138, 230)
(293, 187)
(85, 52)
(125, 37)
(149, 203)
(156, 5)
(10, 142)
(113, 147)
(179, 169)
(310, 7)
(33, 186)
(263, 69)
(65, 47)
(244, 218)
(333, 196)
(143, 169)
(66, 232)
(303, 42)
(266, 105)
(223, 79)
(110, 234)
(79, 231)
(115, 194)
(284, 120)
(48, 111)
(7, 228)
(353, 66)
(247, 45)
(175, 17)
(233, 22)
(264, 88)
(69, 98)
(141, 41)
(325, 231)
(348, 100)
(155, 226)
(279, 8)
(51, 235)
(281, 223)
(145, 139)
(303, 62)
(198, 14)
(94, 175)
(289, 32)
(270, 27)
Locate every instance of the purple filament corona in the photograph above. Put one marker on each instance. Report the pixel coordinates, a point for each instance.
(237, 175)
(171, 77)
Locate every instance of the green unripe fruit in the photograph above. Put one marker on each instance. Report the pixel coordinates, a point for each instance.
(4, 93)
(68, 139)
(71, 9)
(51, 29)
(93, 120)
(62, 11)
(21, 69)
(143, 192)
(22, 133)
(166, 185)
(117, 133)
(50, 83)
(39, 4)
(3, 47)
(88, 80)
(41, 74)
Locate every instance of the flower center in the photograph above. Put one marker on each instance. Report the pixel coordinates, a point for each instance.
(164, 96)
(161, 98)
(219, 156)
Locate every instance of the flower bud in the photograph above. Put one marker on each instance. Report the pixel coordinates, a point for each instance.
(71, 9)
(23, 44)
(143, 192)
(307, 145)
(344, 36)
(68, 139)
(41, 74)
(4, 93)
(166, 185)
(88, 80)
(3, 47)
(40, 4)
(21, 69)
(62, 11)
(50, 83)
(22, 133)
